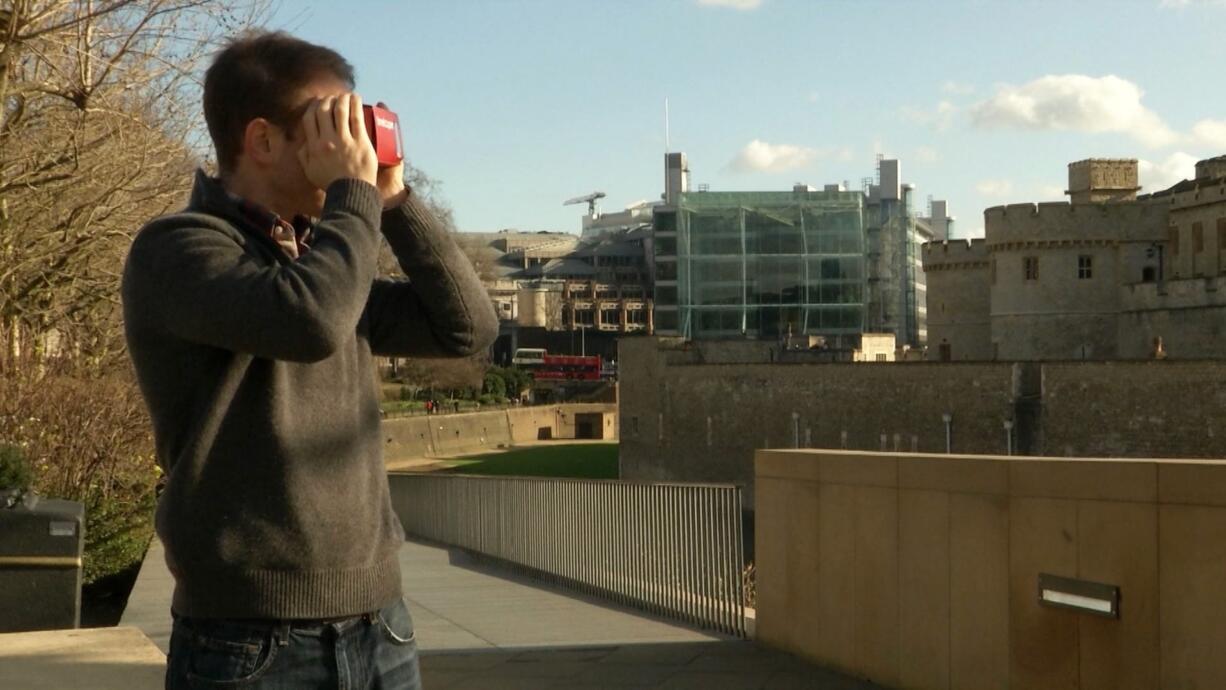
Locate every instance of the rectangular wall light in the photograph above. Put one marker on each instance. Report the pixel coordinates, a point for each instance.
(1079, 595)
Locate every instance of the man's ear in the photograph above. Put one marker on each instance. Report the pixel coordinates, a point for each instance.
(258, 141)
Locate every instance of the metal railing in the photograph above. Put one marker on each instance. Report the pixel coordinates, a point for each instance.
(674, 550)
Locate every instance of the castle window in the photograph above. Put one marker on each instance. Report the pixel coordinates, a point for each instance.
(1085, 267)
(1198, 238)
(1030, 267)
(1221, 243)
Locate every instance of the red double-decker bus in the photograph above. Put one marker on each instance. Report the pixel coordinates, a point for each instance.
(566, 367)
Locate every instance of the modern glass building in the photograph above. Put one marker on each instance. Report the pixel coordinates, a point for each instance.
(761, 265)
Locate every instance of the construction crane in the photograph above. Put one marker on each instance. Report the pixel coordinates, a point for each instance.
(589, 199)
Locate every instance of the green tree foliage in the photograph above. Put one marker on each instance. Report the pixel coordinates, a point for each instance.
(14, 471)
(495, 385)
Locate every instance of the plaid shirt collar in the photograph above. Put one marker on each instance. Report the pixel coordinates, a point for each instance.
(210, 196)
(263, 220)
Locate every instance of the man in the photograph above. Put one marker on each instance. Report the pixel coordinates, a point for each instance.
(252, 331)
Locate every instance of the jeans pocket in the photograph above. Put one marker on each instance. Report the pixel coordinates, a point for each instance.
(221, 655)
(397, 623)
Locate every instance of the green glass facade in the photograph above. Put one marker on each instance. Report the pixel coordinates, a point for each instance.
(761, 265)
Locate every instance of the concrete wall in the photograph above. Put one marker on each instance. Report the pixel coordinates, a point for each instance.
(436, 435)
(922, 571)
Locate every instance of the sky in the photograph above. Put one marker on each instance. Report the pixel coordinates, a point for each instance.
(518, 105)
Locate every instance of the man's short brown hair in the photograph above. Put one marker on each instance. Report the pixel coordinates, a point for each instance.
(260, 75)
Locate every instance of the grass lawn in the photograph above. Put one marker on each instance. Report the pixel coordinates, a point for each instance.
(580, 460)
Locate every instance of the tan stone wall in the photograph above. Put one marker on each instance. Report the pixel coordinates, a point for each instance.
(1206, 207)
(1059, 315)
(1189, 316)
(959, 299)
(922, 571)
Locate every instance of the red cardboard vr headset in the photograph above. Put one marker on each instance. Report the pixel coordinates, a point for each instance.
(384, 129)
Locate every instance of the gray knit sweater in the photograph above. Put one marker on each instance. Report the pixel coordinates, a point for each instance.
(258, 372)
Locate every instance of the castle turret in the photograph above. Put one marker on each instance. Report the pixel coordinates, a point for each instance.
(1101, 180)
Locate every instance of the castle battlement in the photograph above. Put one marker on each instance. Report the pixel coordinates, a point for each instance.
(1058, 209)
(954, 253)
(1061, 220)
(1213, 194)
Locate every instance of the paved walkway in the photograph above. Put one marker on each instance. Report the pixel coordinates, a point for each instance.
(458, 603)
(729, 665)
(481, 628)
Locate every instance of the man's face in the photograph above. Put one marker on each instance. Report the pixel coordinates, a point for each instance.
(288, 178)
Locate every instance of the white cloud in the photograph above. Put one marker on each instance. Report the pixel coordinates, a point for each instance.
(759, 156)
(1210, 133)
(813, 96)
(734, 4)
(1177, 167)
(1075, 102)
(939, 118)
(957, 88)
(926, 154)
(994, 188)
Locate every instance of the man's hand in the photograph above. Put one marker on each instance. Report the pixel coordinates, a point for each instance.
(337, 146)
(391, 183)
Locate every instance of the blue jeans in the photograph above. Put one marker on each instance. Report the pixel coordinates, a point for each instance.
(370, 652)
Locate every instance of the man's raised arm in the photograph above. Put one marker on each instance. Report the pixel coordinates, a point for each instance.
(442, 310)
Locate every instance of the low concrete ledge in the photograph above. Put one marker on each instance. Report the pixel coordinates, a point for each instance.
(923, 571)
(83, 659)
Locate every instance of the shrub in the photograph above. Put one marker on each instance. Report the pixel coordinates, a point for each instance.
(88, 439)
(495, 385)
(14, 470)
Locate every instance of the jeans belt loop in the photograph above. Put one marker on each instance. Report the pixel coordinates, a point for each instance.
(283, 633)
